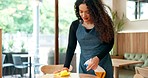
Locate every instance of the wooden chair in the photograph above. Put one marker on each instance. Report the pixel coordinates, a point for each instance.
(138, 76)
(48, 69)
(141, 71)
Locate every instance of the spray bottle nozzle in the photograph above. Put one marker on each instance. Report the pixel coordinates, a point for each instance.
(87, 62)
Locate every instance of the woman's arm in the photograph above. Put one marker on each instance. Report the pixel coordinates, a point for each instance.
(72, 42)
(104, 49)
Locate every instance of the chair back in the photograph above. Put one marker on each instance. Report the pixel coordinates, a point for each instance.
(138, 76)
(17, 60)
(142, 71)
(48, 69)
(3, 58)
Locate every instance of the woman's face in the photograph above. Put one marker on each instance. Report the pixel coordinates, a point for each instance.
(84, 13)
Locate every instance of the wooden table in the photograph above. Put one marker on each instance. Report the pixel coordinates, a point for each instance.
(145, 67)
(122, 62)
(72, 75)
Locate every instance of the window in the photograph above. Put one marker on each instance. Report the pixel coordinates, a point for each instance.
(137, 9)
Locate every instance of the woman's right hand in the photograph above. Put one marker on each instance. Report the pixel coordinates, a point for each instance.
(64, 68)
(93, 64)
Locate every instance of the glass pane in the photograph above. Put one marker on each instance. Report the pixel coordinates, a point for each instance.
(28, 28)
(47, 33)
(66, 16)
(130, 10)
(17, 27)
(144, 11)
(136, 10)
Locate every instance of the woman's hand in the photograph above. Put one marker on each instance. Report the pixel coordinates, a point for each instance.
(64, 68)
(56, 71)
(93, 64)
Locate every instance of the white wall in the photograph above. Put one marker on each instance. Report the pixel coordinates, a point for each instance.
(135, 26)
(108, 2)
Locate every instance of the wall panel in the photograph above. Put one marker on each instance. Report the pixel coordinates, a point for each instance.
(132, 42)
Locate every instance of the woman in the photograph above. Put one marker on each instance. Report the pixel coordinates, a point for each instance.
(94, 32)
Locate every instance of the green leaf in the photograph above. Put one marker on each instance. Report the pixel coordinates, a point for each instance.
(118, 22)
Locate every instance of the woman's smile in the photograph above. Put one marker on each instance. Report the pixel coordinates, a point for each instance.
(84, 13)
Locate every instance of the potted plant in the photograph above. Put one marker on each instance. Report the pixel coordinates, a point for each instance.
(118, 23)
(50, 56)
(10, 46)
(23, 50)
(3, 48)
(62, 54)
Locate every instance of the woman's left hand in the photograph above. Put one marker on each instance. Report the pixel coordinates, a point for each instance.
(93, 64)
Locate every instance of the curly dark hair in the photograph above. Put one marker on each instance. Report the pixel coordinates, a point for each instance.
(102, 21)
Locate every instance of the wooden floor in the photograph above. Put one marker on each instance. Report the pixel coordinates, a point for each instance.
(16, 76)
(25, 76)
(34, 74)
